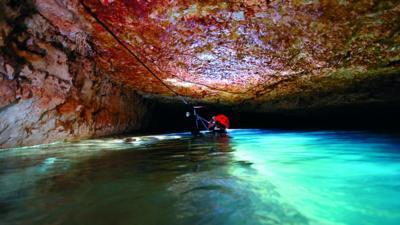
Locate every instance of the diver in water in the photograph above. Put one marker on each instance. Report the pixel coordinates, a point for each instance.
(218, 123)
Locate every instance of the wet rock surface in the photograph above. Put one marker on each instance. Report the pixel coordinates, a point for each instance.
(251, 52)
(67, 68)
(51, 88)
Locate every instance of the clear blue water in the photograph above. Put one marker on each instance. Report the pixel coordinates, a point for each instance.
(247, 177)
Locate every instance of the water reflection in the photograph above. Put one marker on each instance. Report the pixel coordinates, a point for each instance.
(246, 177)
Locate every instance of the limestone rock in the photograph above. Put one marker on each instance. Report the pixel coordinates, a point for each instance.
(64, 75)
(50, 89)
(9, 71)
(245, 51)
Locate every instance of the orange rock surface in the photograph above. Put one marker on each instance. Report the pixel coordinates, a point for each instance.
(233, 51)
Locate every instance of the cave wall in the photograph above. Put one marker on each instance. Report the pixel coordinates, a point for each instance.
(50, 87)
(269, 55)
(68, 70)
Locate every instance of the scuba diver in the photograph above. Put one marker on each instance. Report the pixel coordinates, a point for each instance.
(217, 124)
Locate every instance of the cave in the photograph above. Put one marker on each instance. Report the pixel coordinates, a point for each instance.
(86, 83)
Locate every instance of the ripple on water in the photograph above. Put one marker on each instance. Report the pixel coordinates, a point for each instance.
(247, 177)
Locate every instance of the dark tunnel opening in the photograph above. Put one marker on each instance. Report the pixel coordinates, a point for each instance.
(373, 116)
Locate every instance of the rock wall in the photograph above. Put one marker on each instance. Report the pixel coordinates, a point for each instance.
(252, 52)
(69, 68)
(50, 87)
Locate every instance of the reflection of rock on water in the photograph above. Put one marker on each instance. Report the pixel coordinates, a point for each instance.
(262, 177)
(219, 197)
(161, 155)
(222, 191)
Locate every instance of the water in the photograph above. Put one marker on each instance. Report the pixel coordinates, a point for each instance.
(247, 177)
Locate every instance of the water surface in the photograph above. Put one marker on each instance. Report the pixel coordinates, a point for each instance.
(246, 177)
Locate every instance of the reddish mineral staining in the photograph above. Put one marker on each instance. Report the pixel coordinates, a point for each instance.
(233, 49)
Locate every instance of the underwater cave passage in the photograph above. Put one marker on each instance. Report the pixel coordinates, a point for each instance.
(199, 112)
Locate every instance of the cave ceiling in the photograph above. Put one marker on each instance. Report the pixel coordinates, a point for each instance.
(236, 51)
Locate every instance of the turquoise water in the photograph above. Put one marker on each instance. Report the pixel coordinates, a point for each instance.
(247, 177)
